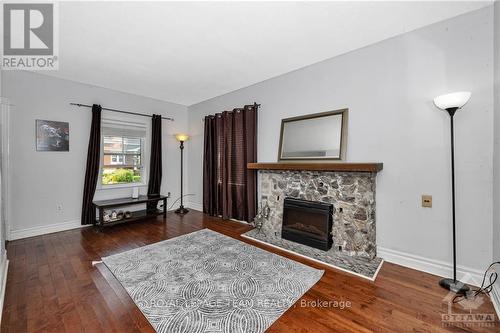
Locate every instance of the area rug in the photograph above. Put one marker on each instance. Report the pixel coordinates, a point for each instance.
(207, 282)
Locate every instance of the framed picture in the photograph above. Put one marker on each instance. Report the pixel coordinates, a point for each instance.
(52, 135)
(314, 137)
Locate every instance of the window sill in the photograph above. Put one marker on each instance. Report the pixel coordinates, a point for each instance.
(118, 186)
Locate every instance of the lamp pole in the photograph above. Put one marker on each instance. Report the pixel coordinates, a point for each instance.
(451, 112)
(181, 209)
(453, 284)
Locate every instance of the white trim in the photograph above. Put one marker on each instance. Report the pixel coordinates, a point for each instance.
(145, 158)
(118, 186)
(45, 229)
(466, 274)
(4, 267)
(195, 206)
(495, 298)
(318, 261)
(5, 154)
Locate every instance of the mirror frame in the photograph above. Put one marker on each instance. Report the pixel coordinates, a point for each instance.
(343, 135)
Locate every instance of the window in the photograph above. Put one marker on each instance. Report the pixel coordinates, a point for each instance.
(122, 156)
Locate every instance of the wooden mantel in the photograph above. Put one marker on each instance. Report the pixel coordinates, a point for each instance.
(335, 166)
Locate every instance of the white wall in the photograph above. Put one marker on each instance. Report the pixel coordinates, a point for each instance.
(40, 181)
(3, 108)
(388, 88)
(4, 105)
(4, 263)
(496, 151)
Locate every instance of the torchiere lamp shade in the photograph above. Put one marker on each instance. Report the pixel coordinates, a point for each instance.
(452, 101)
(182, 137)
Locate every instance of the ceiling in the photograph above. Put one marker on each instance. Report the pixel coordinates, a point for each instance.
(187, 52)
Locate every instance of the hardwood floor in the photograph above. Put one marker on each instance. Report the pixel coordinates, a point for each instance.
(53, 287)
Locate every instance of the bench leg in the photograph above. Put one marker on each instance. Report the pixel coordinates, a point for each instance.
(101, 216)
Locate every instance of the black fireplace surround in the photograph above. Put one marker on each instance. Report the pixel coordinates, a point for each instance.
(308, 223)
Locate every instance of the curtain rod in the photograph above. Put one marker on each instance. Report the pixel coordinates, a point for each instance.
(257, 106)
(121, 111)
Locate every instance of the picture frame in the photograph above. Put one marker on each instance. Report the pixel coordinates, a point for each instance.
(52, 135)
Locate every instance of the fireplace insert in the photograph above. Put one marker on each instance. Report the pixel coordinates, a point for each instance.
(308, 223)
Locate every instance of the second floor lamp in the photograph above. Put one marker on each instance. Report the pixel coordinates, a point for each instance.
(182, 138)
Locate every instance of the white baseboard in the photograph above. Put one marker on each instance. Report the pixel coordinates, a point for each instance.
(495, 298)
(432, 266)
(4, 267)
(195, 206)
(44, 229)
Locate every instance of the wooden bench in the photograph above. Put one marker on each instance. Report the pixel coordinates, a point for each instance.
(102, 205)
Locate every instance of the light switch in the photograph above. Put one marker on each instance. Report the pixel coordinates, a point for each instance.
(427, 201)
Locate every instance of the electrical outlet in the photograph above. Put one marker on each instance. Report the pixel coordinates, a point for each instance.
(426, 200)
(59, 208)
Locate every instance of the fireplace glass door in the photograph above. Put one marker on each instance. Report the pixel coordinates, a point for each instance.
(308, 222)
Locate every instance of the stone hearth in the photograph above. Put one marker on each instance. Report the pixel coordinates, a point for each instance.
(363, 266)
(351, 193)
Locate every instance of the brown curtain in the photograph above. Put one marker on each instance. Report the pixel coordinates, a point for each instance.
(92, 170)
(229, 188)
(155, 166)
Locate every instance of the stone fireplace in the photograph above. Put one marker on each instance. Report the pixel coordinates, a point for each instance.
(351, 191)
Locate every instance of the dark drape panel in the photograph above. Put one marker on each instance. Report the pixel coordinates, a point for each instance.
(229, 188)
(155, 166)
(92, 170)
(210, 168)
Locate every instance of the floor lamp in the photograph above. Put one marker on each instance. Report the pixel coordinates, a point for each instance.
(451, 103)
(181, 138)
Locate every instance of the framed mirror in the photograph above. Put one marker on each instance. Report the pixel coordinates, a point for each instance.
(319, 136)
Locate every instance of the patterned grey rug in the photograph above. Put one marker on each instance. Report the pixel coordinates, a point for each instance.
(207, 282)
